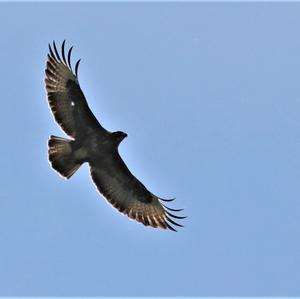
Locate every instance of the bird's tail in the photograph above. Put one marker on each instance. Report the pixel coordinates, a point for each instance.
(62, 157)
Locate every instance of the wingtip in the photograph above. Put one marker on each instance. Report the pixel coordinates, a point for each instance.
(69, 58)
(50, 51)
(76, 67)
(175, 216)
(173, 222)
(168, 214)
(167, 200)
(173, 210)
(63, 51)
(171, 228)
(56, 52)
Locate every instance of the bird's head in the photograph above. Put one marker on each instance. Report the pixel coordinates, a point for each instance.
(119, 136)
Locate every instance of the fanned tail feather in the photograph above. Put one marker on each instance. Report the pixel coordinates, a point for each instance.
(61, 156)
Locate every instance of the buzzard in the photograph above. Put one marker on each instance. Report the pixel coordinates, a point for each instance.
(95, 145)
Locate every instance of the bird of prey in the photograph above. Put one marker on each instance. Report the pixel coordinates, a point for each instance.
(97, 146)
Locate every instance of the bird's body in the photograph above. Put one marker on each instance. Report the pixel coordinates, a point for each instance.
(95, 145)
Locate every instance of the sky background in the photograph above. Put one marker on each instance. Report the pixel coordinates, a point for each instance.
(209, 94)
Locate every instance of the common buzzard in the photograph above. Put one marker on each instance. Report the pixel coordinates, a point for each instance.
(95, 145)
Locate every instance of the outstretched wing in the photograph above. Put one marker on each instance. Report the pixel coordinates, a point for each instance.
(127, 194)
(66, 100)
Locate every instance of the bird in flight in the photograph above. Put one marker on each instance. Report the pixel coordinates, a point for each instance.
(95, 145)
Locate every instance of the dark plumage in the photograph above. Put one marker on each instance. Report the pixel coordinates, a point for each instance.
(95, 145)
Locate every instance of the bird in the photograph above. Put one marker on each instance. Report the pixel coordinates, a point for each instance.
(91, 143)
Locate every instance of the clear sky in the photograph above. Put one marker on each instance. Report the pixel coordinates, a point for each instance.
(209, 95)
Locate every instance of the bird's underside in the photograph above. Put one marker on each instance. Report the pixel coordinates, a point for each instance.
(95, 145)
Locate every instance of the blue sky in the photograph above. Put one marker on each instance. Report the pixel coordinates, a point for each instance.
(209, 94)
